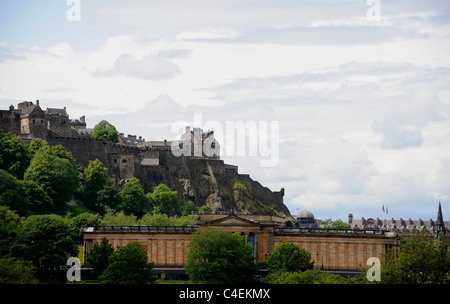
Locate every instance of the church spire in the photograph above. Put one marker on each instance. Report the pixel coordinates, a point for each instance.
(440, 226)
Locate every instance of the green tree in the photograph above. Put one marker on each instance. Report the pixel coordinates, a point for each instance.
(81, 221)
(189, 207)
(158, 219)
(46, 241)
(61, 152)
(98, 257)
(95, 179)
(134, 200)
(13, 271)
(37, 144)
(10, 224)
(128, 265)
(109, 198)
(119, 219)
(217, 256)
(288, 257)
(38, 200)
(13, 154)
(12, 194)
(105, 128)
(312, 276)
(419, 260)
(57, 176)
(336, 224)
(165, 198)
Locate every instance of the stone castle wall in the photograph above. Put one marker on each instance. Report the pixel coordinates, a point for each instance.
(202, 180)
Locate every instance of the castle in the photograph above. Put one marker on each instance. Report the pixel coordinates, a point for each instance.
(196, 173)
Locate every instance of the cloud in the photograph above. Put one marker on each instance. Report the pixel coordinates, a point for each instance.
(396, 136)
(149, 67)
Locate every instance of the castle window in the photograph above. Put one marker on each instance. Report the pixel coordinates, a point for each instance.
(34, 121)
(115, 161)
(124, 161)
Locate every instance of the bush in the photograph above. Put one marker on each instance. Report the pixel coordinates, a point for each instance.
(306, 277)
(14, 271)
(129, 265)
(288, 257)
(217, 256)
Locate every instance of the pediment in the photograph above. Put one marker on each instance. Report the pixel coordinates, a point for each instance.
(232, 220)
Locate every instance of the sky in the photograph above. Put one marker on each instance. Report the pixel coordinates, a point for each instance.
(354, 94)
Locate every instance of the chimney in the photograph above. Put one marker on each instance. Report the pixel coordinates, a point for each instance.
(83, 119)
(350, 218)
(37, 102)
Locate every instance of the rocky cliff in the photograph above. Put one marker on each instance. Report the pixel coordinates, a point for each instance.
(201, 180)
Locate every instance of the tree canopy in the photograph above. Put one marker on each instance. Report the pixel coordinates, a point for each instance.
(104, 128)
(217, 256)
(128, 265)
(288, 257)
(164, 198)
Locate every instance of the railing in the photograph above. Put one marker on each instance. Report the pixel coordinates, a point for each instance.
(143, 229)
(332, 232)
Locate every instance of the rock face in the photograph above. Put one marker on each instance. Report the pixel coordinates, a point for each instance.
(205, 181)
(199, 179)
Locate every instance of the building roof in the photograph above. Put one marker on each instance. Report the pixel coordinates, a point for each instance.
(55, 111)
(305, 214)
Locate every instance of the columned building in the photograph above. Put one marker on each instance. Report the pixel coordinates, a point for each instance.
(330, 249)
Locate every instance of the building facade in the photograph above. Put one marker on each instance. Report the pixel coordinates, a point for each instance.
(438, 226)
(330, 249)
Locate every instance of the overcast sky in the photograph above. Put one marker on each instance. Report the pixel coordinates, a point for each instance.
(362, 100)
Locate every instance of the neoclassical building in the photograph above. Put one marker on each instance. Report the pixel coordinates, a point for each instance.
(330, 249)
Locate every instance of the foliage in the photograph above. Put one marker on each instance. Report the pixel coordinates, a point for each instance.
(134, 200)
(98, 257)
(108, 198)
(38, 200)
(95, 178)
(12, 194)
(128, 265)
(9, 225)
(336, 224)
(13, 154)
(118, 219)
(13, 271)
(81, 221)
(37, 144)
(312, 276)
(217, 256)
(419, 260)
(165, 220)
(288, 257)
(189, 207)
(46, 241)
(57, 176)
(105, 128)
(165, 198)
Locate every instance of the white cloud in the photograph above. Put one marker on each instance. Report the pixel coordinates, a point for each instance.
(149, 67)
(363, 108)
